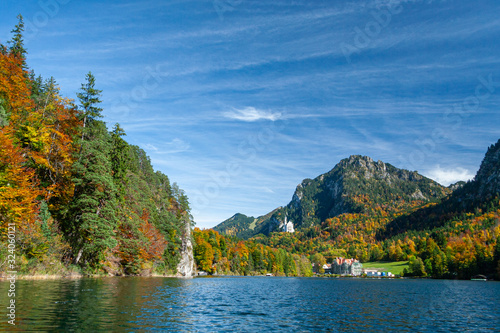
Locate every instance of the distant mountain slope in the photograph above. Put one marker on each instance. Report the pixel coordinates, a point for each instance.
(242, 226)
(487, 181)
(236, 225)
(476, 194)
(344, 189)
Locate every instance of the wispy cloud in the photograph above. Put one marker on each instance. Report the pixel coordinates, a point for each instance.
(250, 114)
(449, 176)
(175, 146)
(150, 147)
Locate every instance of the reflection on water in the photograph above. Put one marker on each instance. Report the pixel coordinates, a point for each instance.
(253, 304)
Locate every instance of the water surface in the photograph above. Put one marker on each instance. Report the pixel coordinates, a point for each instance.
(128, 304)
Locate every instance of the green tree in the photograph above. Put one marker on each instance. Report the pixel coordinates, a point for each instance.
(439, 264)
(92, 215)
(91, 222)
(89, 98)
(417, 267)
(318, 260)
(17, 42)
(119, 155)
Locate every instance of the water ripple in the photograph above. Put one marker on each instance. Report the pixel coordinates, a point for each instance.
(236, 304)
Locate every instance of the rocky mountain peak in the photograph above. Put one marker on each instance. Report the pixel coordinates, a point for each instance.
(364, 166)
(334, 192)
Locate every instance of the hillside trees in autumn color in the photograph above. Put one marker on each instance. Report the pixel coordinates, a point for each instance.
(81, 197)
(218, 254)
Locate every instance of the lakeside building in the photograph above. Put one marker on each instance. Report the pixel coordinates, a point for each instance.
(344, 266)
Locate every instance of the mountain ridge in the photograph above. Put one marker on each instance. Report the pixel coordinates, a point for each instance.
(336, 192)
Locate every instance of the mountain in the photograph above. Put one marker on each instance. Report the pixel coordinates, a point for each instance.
(237, 225)
(242, 226)
(347, 188)
(476, 195)
(487, 181)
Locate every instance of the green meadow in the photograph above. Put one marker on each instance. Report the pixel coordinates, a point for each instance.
(395, 267)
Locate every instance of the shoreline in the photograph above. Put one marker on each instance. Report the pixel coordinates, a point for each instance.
(75, 276)
(39, 277)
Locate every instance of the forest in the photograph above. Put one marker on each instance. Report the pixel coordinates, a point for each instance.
(77, 198)
(218, 254)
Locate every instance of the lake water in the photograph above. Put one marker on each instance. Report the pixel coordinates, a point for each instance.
(254, 304)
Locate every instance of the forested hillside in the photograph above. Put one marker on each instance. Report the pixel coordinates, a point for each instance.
(218, 254)
(77, 196)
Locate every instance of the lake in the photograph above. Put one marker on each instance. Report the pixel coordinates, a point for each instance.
(228, 304)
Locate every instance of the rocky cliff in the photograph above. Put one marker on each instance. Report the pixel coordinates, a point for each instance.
(186, 266)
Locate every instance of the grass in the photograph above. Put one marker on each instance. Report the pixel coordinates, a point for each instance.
(395, 267)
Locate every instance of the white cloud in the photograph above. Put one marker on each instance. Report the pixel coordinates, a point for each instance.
(175, 146)
(150, 147)
(252, 114)
(267, 190)
(449, 176)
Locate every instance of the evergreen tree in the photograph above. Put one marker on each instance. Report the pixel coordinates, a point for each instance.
(92, 215)
(17, 42)
(119, 155)
(90, 226)
(89, 98)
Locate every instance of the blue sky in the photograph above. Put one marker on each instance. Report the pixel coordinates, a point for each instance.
(237, 101)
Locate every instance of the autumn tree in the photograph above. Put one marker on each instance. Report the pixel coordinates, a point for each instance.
(18, 188)
(318, 260)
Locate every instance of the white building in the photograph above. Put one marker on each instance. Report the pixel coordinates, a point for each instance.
(287, 226)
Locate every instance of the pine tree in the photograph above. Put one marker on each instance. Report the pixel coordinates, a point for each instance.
(119, 155)
(89, 98)
(92, 218)
(17, 42)
(91, 221)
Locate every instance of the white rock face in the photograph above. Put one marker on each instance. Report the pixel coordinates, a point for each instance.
(185, 267)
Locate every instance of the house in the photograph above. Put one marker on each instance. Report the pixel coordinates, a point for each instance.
(344, 266)
(356, 268)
